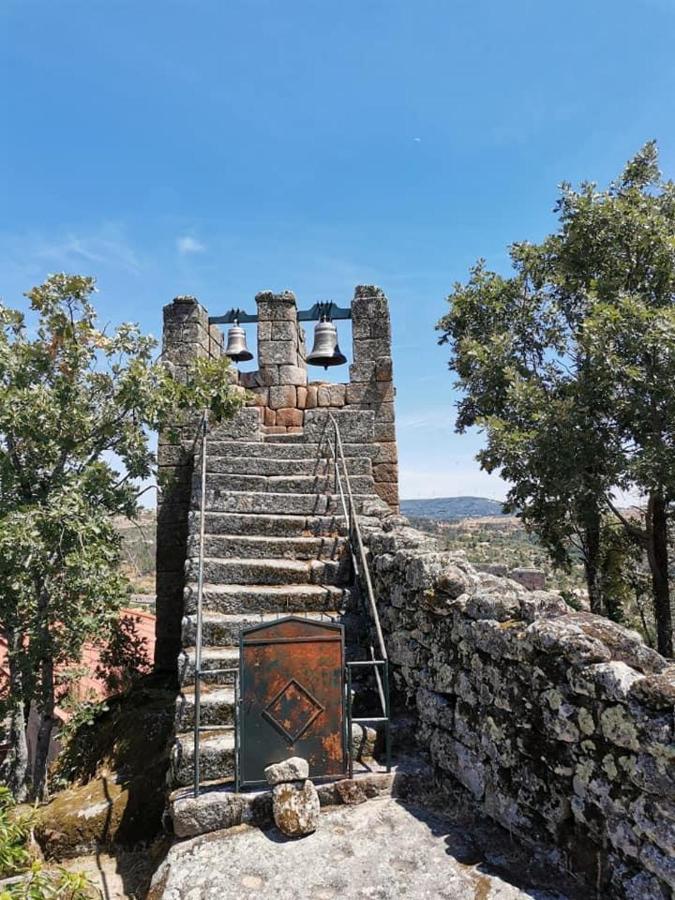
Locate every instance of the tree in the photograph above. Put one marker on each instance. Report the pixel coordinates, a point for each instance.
(568, 365)
(76, 408)
(519, 371)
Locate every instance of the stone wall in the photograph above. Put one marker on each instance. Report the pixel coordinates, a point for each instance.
(186, 336)
(559, 724)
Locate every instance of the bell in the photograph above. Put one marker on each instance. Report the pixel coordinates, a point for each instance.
(236, 344)
(326, 351)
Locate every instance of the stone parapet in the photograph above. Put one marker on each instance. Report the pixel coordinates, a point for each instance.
(558, 724)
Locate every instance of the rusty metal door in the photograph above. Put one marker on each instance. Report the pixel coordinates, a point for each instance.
(292, 697)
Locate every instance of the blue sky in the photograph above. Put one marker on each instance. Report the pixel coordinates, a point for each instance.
(221, 147)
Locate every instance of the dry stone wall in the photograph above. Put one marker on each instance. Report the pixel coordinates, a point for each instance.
(559, 724)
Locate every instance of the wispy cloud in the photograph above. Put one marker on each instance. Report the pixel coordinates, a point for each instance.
(69, 250)
(186, 245)
(429, 419)
(95, 250)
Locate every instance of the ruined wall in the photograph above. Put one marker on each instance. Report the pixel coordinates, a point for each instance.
(559, 724)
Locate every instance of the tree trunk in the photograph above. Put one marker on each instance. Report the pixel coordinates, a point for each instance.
(657, 554)
(46, 699)
(45, 728)
(15, 770)
(592, 560)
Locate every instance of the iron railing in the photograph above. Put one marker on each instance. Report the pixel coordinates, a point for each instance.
(199, 671)
(378, 661)
(379, 664)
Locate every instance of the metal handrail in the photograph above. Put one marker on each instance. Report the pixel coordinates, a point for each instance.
(200, 603)
(362, 573)
(199, 673)
(354, 527)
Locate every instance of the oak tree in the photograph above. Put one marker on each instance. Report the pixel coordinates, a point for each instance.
(78, 403)
(568, 364)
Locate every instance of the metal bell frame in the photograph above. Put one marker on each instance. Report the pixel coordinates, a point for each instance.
(324, 312)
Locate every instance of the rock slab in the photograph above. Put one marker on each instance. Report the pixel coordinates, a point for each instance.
(381, 850)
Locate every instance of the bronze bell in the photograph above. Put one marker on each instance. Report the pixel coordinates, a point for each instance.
(236, 344)
(326, 351)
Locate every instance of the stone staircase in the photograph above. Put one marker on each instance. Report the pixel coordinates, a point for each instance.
(275, 544)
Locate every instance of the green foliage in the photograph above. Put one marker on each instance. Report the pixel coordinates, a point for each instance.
(37, 882)
(14, 833)
(41, 883)
(83, 716)
(568, 366)
(77, 405)
(124, 658)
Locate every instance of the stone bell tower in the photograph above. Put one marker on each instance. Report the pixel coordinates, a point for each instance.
(283, 405)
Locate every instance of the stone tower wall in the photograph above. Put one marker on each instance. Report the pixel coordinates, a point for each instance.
(282, 390)
(283, 393)
(186, 337)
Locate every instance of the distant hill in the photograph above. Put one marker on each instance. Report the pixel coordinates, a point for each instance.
(448, 508)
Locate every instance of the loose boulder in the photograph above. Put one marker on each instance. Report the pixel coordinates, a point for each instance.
(295, 801)
(294, 769)
(295, 806)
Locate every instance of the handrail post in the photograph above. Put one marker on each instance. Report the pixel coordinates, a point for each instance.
(387, 713)
(349, 721)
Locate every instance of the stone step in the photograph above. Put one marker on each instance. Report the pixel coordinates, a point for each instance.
(286, 504)
(304, 450)
(223, 629)
(229, 546)
(255, 598)
(216, 706)
(271, 571)
(268, 525)
(216, 757)
(263, 465)
(284, 484)
(218, 807)
(212, 658)
(283, 438)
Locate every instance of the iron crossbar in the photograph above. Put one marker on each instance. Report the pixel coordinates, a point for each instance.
(329, 309)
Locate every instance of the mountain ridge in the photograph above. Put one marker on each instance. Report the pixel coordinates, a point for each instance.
(452, 508)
